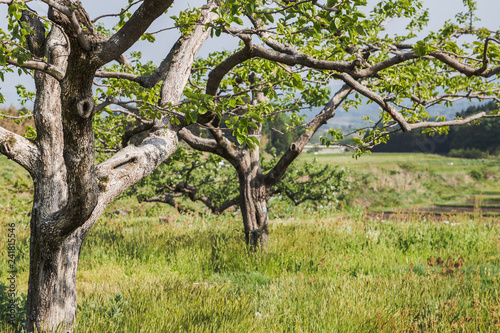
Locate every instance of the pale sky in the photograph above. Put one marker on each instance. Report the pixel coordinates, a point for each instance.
(440, 11)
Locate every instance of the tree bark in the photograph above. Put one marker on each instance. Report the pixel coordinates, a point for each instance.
(54, 252)
(253, 205)
(253, 197)
(52, 287)
(51, 293)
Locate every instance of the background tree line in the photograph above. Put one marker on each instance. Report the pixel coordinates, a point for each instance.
(474, 141)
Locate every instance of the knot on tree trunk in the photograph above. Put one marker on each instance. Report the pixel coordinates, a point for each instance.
(85, 107)
(5, 146)
(5, 150)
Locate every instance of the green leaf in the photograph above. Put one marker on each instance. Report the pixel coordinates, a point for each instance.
(240, 138)
(360, 14)
(256, 117)
(237, 20)
(423, 48)
(337, 22)
(360, 30)
(333, 28)
(255, 140)
(235, 9)
(194, 117)
(228, 18)
(317, 27)
(150, 38)
(250, 143)
(250, 8)
(243, 122)
(297, 81)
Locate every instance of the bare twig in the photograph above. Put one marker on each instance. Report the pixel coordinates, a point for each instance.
(16, 117)
(123, 11)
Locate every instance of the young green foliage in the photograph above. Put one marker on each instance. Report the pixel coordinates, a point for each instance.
(190, 176)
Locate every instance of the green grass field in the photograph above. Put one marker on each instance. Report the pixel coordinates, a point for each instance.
(324, 270)
(403, 181)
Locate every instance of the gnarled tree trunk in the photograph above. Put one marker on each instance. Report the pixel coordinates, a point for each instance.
(52, 287)
(253, 197)
(253, 205)
(71, 192)
(53, 262)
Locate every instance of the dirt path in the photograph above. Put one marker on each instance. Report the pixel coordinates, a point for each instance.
(437, 213)
(460, 209)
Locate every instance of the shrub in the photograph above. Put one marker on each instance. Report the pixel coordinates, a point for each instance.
(476, 174)
(472, 153)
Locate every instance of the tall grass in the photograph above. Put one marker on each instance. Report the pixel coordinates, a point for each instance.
(324, 271)
(321, 274)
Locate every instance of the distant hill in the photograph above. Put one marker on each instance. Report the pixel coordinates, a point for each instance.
(17, 126)
(348, 120)
(353, 118)
(484, 137)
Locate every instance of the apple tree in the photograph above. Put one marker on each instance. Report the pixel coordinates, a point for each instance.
(291, 52)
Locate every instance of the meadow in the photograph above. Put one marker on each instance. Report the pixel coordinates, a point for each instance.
(327, 269)
(395, 181)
